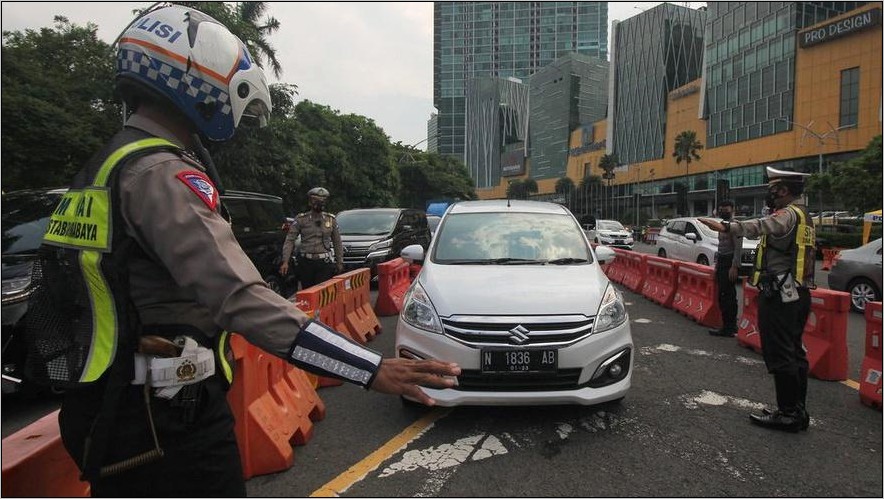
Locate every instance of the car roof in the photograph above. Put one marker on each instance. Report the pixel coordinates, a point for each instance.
(504, 205)
(380, 210)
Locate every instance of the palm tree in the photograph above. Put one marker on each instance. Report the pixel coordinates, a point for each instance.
(686, 147)
(243, 19)
(565, 187)
(588, 185)
(608, 163)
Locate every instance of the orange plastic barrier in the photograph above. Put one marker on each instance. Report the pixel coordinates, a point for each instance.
(825, 334)
(870, 372)
(747, 327)
(359, 317)
(661, 280)
(650, 235)
(36, 464)
(634, 270)
(394, 278)
(275, 406)
(696, 295)
(616, 270)
(829, 255)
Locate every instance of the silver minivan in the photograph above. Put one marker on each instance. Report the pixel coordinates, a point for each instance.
(513, 292)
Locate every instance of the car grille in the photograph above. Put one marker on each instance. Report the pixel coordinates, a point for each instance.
(518, 330)
(563, 379)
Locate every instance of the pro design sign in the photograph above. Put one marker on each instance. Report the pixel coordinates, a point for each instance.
(840, 28)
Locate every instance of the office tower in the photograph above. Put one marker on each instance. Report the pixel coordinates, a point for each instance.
(432, 130)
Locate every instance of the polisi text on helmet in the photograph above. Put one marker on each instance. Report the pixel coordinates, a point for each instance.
(159, 29)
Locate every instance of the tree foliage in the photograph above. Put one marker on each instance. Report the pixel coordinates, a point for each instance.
(58, 106)
(687, 147)
(427, 176)
(854, 184)
(564, 185)
(607, 164)
(521, 189)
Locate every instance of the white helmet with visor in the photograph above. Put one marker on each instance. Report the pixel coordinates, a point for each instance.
(199, 65)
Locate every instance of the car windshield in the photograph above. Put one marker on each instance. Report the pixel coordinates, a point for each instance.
(510, 238)
(367, 223)
(609, 225)
(25, 217)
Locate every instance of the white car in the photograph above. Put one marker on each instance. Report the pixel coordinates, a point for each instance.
(513, 292)
(611, 233)
(688, 240)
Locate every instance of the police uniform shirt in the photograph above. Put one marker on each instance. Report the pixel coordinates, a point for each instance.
(315, 239)
(730, 243)
(780, 230)
(195, 273)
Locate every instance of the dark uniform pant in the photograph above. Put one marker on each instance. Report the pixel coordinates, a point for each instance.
(781, 326)
(201, 457)
(727, 293)
(313, 272)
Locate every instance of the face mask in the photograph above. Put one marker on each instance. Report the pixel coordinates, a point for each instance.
(317, 205)
(726, 215)
(771, 200)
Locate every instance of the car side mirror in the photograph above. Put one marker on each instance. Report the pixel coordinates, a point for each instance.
(691, 236)
(604, 254)
(413, 253)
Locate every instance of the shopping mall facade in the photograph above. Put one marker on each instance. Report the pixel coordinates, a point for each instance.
(790, 85)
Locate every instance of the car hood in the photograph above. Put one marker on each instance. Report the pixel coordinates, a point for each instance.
(608, 233)
(349, 239)
(514, 289)
(17, 265)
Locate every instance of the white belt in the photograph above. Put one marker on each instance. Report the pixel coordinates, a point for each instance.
(169, 374)
(317, 256)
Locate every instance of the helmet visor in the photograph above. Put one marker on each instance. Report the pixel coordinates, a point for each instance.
(255, 114)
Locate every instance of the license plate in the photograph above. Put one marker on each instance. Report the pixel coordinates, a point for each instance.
(519, 361)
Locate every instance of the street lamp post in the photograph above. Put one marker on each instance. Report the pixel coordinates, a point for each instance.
(821, 140)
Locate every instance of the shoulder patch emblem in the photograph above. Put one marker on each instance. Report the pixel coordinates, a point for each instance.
(200, 184)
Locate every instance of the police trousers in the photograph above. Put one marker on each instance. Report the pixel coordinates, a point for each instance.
(781, 326)
(313, 272)
(201, 457)
(727, 293)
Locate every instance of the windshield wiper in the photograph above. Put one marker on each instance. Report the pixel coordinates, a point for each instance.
(515, 261)
(567, 261)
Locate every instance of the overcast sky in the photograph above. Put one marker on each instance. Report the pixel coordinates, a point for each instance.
(369, 58)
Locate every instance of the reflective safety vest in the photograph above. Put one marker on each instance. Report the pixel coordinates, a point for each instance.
(80, 313)
(802, 249)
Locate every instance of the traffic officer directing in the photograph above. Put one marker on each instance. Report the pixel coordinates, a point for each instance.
(322, 253)
(154, 266)
(730, 248)
(784, 271)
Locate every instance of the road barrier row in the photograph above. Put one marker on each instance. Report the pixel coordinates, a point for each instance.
(870, 372)
(394, 278)
(829, 255)
(661, 280)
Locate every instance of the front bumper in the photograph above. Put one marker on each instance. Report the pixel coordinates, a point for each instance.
(569, 385)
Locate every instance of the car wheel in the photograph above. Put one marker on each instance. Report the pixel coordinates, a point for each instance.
(861, 292)
(661, 253)
(702, 260)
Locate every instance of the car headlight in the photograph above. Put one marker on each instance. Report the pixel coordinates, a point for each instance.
(385, 244)
(612, 311)
(417, 310)
(17, 288)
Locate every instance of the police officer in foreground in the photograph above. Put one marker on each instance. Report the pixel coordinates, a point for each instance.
(322, 253)
(784, 271)
(141, 270)
(730, 248)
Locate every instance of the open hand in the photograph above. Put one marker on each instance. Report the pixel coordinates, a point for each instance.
(403, 376)
(284, 268)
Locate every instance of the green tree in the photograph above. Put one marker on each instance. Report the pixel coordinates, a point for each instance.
(686, 149)
(521, 189)
(856, 184)
(425, 176)
(607, 164)
(58, 106)
(564, 185)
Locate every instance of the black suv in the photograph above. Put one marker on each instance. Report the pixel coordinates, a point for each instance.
(376, 235)
(258, 221)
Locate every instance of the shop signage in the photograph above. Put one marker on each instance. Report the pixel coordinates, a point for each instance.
(840, 28)
(595, 146)
(512, 163)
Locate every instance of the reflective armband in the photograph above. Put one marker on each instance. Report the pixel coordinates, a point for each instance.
(322, 350)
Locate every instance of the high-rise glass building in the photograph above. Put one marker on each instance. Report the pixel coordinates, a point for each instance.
(654, 53)
(500, 40)
(432, 136)
(750, 65)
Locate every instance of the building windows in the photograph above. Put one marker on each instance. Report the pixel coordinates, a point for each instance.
(849, 97)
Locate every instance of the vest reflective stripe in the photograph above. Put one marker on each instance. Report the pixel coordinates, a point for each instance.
(104, 310)
(804, 237)
(104, 317)
(221, 348)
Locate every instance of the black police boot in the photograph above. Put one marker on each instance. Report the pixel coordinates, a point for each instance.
(805, 417)
(788, 417)
(802, 397)
(725, 332)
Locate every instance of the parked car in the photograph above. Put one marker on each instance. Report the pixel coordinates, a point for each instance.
(257, 221)
(611, 233)
(858, 271)
(688, 240)
(513, 292)
(376, 235)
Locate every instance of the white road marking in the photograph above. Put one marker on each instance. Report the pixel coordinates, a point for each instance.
(642, 321)
(715, 399)
(667, 348)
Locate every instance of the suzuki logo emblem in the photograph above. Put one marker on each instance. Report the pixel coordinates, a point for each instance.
(519, 334)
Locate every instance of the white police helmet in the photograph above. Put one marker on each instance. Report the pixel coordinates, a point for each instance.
(320, 192)
(198, 65)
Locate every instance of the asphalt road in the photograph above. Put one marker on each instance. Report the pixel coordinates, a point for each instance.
(681, 431)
